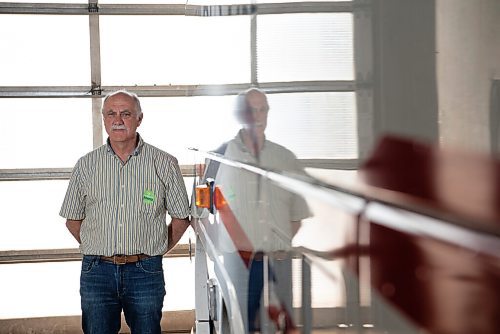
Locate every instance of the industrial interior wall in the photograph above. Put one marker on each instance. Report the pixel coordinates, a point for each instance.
(405, 92)
(468, 60)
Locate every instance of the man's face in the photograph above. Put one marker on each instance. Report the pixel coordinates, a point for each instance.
(120, 118)
(258, 109)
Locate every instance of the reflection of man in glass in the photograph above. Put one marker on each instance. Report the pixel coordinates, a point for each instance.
(269, 216)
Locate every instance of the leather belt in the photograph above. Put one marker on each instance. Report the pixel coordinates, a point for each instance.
(124, 259)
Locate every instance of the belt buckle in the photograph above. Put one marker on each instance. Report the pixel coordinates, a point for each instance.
(117, 258)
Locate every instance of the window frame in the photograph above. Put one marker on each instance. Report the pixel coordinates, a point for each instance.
(362, 31)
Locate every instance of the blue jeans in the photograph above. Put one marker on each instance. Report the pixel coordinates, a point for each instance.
(280, 272)
(136, 288)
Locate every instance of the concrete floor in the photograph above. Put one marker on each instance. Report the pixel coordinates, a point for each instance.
(173, 322)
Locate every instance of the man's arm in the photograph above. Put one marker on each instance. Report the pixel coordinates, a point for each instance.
(74, 228)
(176, 229)
(295, 227)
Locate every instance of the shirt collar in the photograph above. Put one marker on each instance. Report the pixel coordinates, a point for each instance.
(137, 150)
(239, 141)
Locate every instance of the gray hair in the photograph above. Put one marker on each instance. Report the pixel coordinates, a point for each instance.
(134, 96)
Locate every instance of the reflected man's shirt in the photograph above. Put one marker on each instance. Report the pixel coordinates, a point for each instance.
(264, 210)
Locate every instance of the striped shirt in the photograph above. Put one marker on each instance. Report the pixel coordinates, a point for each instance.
(124, 205)
(264, 210)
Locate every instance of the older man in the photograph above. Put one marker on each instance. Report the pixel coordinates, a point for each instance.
(116, 206)
(267, 216)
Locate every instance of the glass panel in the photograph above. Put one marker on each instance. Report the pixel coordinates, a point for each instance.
(41, 133)
(334, 176)
(321, 229)
(165, 50)
(175, 2)
(254, 217)
(175, 124)
(39, 290)
(314, 125)
(301, 47)
(39, 227)
(209, 2)
(189, 235)
(229, 2)
(53, 51)
(46, 1)
(179, 278)
(27, 288)
(280, 1)
(182, 2)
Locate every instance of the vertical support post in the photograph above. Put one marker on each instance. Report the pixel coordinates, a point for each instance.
(201, 290)
(363, 60)
(95, 73)
(265, 325)
(97, 138)
(253, 49)
(306, 297)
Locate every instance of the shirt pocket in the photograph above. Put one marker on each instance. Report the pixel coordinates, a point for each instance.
(152, 199)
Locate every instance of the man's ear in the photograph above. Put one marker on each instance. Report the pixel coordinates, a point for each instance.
(140, 119)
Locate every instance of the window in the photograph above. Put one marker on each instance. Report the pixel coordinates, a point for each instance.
(164, 50)
(300, 47)
(44, 133)
(36, 51)
(187, 70)
(314, 125)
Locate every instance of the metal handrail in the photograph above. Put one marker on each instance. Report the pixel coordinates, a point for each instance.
(341, 198)
(377, 208)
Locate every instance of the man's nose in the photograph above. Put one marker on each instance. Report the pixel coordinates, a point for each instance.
(259, 115)
(118, 117)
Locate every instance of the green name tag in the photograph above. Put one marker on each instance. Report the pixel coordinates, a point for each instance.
(148, 197)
